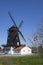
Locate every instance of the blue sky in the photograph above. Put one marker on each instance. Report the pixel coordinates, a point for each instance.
(30, 11)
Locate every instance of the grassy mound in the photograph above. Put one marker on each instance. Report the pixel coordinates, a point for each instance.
(26, 60)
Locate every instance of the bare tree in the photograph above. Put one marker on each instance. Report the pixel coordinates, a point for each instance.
(40, 36)
(40, 31)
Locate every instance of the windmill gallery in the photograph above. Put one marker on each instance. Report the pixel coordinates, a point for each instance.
(13, 45)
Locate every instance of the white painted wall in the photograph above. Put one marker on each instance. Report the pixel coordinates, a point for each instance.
(26, 51)
(11, 51)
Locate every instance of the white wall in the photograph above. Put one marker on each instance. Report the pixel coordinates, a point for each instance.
(26, 51)
(11, 51)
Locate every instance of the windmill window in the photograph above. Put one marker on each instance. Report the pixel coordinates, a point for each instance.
(17, 43)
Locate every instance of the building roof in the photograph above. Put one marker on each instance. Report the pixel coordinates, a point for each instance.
(19, 48)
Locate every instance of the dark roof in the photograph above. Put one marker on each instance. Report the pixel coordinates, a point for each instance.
(19, 48)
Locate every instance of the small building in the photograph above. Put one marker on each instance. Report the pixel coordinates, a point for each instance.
(21, 50)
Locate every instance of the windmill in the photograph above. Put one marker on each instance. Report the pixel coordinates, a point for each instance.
(13, 34)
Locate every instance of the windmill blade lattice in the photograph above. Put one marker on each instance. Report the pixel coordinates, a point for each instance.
(12, 18)
(20, 24)
(17, 27)
(22, 36)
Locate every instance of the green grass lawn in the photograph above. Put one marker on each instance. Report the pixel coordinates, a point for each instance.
(26, 60)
